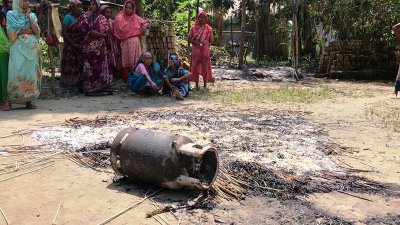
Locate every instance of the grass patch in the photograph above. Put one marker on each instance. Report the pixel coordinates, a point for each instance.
(390, 117)
(257, 95)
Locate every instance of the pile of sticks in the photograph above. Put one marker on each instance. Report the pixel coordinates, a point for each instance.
(227, 187)
(99, 121)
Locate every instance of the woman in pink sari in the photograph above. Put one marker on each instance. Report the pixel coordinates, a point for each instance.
(128, 27)
(201, 36)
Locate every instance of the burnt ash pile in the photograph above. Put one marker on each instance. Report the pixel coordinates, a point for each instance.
(276, 139)
(262, 181)
(271, 153)
(390, 219)
(98, 155)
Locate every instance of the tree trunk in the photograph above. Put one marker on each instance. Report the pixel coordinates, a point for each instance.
(219, 24)
(243, 29)
(262, 30)
(139, 8)
(307, 33)
(295, 41)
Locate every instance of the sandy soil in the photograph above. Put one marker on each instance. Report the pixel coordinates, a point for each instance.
(89, 197)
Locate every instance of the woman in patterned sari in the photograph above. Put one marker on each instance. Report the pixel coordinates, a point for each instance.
(74, 30)
(146, 77)
(97, 77)
(201, 36)
(128, 27)
(24, 68)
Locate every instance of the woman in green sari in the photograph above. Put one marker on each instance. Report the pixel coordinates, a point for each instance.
(24, 70)
(3, 70)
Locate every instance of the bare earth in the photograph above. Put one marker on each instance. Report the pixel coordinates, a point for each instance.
(90, 197)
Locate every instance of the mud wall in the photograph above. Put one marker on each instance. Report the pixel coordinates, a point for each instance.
(357, 59)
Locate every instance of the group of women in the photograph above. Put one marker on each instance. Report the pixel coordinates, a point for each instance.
(95, 48)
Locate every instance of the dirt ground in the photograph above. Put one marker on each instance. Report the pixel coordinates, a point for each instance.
(360, 116)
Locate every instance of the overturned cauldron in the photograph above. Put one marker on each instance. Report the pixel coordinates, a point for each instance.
(170, 160)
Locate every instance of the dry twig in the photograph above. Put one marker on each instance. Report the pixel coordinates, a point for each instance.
(4, 215)
(58, 209)
(129, 208)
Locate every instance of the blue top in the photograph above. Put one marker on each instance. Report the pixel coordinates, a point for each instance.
(69, 19)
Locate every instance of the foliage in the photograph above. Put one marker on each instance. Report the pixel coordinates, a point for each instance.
(45, 56)
(369, 20)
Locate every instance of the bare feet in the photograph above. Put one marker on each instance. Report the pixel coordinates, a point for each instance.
(29, 105)
(178, 96)
(5, 106)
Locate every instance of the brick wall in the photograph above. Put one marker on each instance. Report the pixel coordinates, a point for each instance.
(161, 41)
(360, 60)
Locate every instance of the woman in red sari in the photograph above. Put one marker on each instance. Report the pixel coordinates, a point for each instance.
(112, 45)
(97, 76)
(201, 36)
(128, 27)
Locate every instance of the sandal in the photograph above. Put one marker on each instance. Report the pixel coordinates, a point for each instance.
(30, 105)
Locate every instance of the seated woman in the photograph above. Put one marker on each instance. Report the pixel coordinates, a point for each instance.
(146, 77)
(178, 78)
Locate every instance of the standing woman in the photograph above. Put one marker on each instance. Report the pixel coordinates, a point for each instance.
(3, 70)
(74, 30)
(201, 36)
(24, 68)
(128, 27)
(97, 77)
(112, 46)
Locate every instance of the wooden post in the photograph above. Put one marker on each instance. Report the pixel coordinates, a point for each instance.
(197, 7)
(188, 27)
(243, 27)
(257, 39)
(295, 40)
(50, 51)
(52, 70)
(233, 49)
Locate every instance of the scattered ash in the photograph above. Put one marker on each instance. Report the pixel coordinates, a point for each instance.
(79, 134)
(276, 139)
(300, 212)
(278, 184)
(387, 220)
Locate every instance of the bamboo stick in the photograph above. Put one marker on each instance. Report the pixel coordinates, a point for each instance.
(129, 208)
(58, 209)
(24, 167)
(4, 215)
(25, 173)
